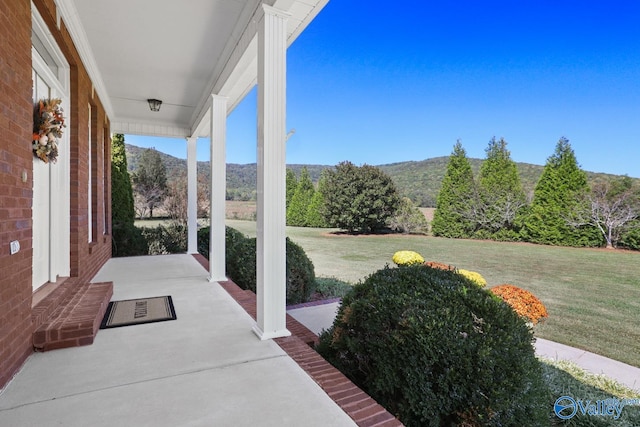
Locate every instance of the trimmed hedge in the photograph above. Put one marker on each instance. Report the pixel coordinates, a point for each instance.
(170, 239)
(240, 264)
(128, 240)
(435, 349)
(330, 287)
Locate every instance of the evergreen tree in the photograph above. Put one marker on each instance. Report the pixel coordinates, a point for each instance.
(314, 211)
(292, 183)
(122, 210)
(126, 238)
(359, 199)
(560, 188)
(297, 211)
(150, 179)
(455, 199)
(500, 194)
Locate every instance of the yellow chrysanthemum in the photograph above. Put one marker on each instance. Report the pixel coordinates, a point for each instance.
(474, 277)
(407, 258)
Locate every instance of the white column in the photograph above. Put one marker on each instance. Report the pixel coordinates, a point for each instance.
(271, 255)
(218, 187)
(192, 196)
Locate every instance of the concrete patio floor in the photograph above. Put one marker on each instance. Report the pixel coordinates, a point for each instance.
(205, 368)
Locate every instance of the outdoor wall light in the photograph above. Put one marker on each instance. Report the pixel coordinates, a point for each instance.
(154, 104)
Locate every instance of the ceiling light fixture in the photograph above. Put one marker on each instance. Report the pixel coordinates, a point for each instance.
(154, 104)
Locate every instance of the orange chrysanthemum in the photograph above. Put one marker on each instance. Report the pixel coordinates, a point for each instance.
(522, 301)
(440, 266)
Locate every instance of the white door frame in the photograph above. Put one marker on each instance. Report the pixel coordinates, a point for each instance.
(58, 80)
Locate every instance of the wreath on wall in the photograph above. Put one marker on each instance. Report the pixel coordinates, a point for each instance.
(48, 121)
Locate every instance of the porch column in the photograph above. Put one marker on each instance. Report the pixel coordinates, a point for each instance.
(218, 188)
(271, 255)
(192, 196)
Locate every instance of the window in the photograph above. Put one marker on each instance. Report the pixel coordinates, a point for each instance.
(89, 193)
(92, 181)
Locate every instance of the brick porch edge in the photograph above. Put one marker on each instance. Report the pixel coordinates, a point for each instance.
(361, 407)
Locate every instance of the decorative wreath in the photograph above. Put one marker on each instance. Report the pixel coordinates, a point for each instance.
(48, 122)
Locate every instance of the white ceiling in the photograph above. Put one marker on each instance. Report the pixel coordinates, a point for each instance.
(176, 51)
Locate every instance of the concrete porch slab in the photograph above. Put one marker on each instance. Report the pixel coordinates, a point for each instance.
(205, 368)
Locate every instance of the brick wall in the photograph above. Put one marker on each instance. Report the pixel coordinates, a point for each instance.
(15, 185)
(16, 171)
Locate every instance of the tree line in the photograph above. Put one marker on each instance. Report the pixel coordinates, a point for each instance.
(563, 210)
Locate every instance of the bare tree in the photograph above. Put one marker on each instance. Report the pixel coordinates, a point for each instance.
(140, 205)
(204, 193)
(150, 179)
(610, 207)
(493, 211)
(176, 201)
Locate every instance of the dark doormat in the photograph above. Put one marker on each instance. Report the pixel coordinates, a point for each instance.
(138, 311)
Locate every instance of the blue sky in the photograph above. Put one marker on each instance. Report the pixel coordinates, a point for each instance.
(378, 82)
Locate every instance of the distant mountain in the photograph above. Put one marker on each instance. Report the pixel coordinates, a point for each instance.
(419, 180)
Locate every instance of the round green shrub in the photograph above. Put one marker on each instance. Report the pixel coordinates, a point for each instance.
(203, 241)
(232, 237)
(241, 264)
(170, 239)
(128, 240)
(301, 277)
(331, 287)
(437, 350)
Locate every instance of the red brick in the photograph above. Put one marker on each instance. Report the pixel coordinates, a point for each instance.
(379, 420)
(367, 411)
(15, 156)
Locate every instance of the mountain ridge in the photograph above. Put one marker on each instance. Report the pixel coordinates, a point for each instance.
(420, 180)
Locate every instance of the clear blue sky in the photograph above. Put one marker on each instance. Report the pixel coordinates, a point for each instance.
(378, 83)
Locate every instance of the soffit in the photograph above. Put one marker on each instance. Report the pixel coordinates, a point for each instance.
(175, 51)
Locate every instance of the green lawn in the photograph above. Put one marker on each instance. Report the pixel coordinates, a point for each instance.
(592, 295)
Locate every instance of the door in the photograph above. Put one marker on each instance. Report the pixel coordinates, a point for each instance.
(51, 225)
(41, 209)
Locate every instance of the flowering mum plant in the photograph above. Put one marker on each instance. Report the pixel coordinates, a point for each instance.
(407, 258)
(48, 122)
(473, 276)
(440, 266)
(522, 301)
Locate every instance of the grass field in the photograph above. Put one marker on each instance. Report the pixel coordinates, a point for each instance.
(592, 295)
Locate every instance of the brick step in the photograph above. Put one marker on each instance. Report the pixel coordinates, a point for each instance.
(77, 318)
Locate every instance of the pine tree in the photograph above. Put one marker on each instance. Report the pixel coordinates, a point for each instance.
(122, 210)
(560, 188)
(297, 211)
(500, 194)
(292, 183)
(314, 211)
(455, 199)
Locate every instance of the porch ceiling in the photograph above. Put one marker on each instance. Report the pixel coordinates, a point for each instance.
(177, 51)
